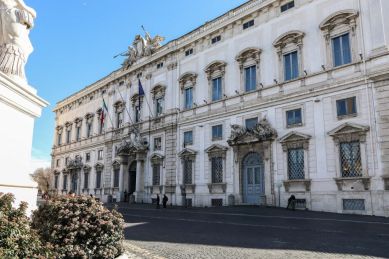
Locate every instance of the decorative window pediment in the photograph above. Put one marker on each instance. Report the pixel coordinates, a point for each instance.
(99, 166)
(68, 124)
(156, 159)
(119, 106)
(247, 55)
(116, 164)
(187, 153)
(135, 99)
(290, 37)
(216, 67)
(349, 132)
(187, 80)
(78, 121)
(216, 150)
(89, 116)
(56, 172)
(86, 168)
(59, 129)
(294, 140)
(158, 91)
(344, 17)
(65, 171)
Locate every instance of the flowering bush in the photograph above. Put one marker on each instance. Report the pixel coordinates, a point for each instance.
(17, 239)
(80, 227)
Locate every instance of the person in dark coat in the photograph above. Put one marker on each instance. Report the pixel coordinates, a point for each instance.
(164, 200)
(291, 202)
(157, 201)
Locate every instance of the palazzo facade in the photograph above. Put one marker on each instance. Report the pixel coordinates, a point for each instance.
(272, 99)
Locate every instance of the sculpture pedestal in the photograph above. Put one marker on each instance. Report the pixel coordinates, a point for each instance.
(19, 106)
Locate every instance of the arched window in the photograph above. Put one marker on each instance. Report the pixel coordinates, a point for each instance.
(339, 31)
(289, 48)
(248, 60)
(215, 75)
(187, 84)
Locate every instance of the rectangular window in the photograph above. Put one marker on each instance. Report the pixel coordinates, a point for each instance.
(188, 98)
(160, 65)
(216, 89)
(216, 39)
(353, 204)
(250, 123)
(350, 159)
(188, 138)
(188, 52)
(98, 179)
(66, 161)
(217, 132)
(293, 117)
(137, 113)
(341, 50)
(248, 24)
(89, 130)
(188, 171)
(291, 66)
(157, 143)
(250, 78)
(158, 106)
(68, 136)
(65, 182)
(119, 119)
(217, 202)
(287, 6)
(59, 139)
(86, 180)
(58, 162)
(56, 181)
(78, 133)
(346, 106)
(116, 173)
(87, 157)
(156, 174)
(217, 169)
(100, 154)
(296, 163)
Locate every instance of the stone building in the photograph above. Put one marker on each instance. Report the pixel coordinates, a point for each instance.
(273, 98)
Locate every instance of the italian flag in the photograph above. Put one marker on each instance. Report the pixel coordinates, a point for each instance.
(102, 115)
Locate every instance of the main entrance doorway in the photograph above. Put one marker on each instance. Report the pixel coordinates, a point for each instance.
(132, 178)
(253, 179)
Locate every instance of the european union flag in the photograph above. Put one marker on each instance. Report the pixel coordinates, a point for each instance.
(141, 92)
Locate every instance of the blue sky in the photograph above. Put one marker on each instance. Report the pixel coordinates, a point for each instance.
(74, 42)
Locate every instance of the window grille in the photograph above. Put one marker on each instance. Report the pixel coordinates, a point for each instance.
(217, 169)
(296, 163)
(301, 204)
(353, 204)
(188, 171)
(217, 202)
(350, 159)
(156, 174)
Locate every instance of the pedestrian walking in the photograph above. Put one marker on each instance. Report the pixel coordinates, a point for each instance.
(291, 202)
(164, 200)
(157, 201)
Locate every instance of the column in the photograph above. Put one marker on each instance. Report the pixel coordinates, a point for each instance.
(139, 178)
(122, 188)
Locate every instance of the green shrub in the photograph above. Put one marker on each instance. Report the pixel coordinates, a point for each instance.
(17, 239)
(80, 227)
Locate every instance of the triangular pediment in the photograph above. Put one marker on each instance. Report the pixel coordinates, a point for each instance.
(348, 128)
(99, 166)
(216, 148)
(86, 167)
(294, 136)
(116, 164)
(187, 152)
(157, 156)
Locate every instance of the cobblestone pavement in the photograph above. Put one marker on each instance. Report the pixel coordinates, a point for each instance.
(251, 232)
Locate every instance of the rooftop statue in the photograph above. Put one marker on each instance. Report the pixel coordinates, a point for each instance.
(141, 47)
(16, 20)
